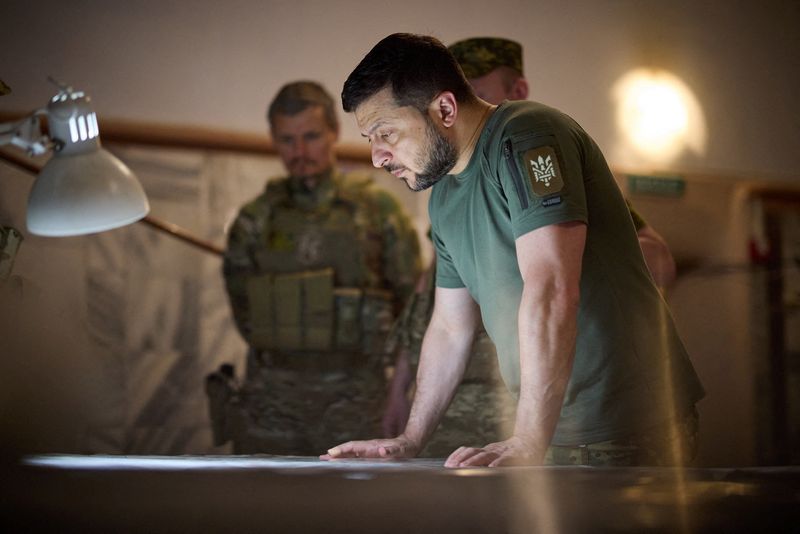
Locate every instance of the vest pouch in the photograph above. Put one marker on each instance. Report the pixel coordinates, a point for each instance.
(303, 310)
(377, 317)
(287, 312)
(260, 298)
(317, 316)
(348, 318)
(291, 312)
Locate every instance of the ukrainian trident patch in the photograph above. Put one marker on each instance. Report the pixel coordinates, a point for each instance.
(543, 170)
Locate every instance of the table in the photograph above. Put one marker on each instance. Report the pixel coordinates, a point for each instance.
(272, 494)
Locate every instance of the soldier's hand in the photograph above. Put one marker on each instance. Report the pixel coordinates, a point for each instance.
(513, 451)
(399, 447)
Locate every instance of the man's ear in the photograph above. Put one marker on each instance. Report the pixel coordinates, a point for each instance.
(445, 108)
(519, 90)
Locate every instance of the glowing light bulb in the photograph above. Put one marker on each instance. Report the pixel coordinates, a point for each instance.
(658, 115)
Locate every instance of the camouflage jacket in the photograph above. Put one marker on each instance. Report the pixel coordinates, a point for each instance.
(345, 226)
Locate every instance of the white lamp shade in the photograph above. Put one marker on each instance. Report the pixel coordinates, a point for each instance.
(83, 193)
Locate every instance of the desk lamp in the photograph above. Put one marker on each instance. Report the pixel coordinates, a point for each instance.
(82, 188)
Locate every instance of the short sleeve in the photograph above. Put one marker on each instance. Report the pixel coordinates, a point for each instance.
(446, 273)
(543, 176)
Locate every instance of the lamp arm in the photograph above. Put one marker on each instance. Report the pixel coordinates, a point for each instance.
(160, 225)
(26, 134)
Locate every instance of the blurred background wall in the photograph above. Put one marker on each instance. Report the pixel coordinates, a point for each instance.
(105, 347)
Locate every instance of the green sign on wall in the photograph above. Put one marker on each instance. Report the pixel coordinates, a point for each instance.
(662, 186)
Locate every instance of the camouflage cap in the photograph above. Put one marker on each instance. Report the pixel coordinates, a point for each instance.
(480, 55)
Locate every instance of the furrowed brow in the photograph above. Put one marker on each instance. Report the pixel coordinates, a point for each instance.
(374, 127)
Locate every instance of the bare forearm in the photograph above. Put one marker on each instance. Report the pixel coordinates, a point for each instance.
(549, 261)
(442, 363)
(548, 326)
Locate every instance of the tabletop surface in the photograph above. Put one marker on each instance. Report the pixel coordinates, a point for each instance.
(262, 493)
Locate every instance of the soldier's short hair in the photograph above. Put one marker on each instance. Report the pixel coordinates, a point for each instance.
(415, 67)
(296, 97)
(479, 56)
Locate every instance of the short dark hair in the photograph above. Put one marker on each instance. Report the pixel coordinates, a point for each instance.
(415, 67)
(298, 96)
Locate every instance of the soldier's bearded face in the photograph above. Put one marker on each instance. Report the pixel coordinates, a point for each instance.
(404, 141)
(437, 157)
(304, 142)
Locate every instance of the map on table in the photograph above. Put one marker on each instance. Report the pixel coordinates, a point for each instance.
(265, 462)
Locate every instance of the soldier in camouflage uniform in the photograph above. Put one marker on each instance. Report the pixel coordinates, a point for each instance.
(315, 269)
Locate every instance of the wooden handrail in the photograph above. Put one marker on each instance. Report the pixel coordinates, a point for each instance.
(197, 138)
(204, 138)
(182, 137)
(181, 233)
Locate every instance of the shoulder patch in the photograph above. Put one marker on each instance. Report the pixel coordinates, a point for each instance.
(543, 170)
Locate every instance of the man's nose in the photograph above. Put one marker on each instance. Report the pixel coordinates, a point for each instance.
(380, 156)
(300, 148)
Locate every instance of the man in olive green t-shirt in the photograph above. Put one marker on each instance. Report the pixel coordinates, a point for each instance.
(533, 236)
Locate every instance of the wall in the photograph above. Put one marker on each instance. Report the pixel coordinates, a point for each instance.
(125, 322)
(713, 303)
(193, 62)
